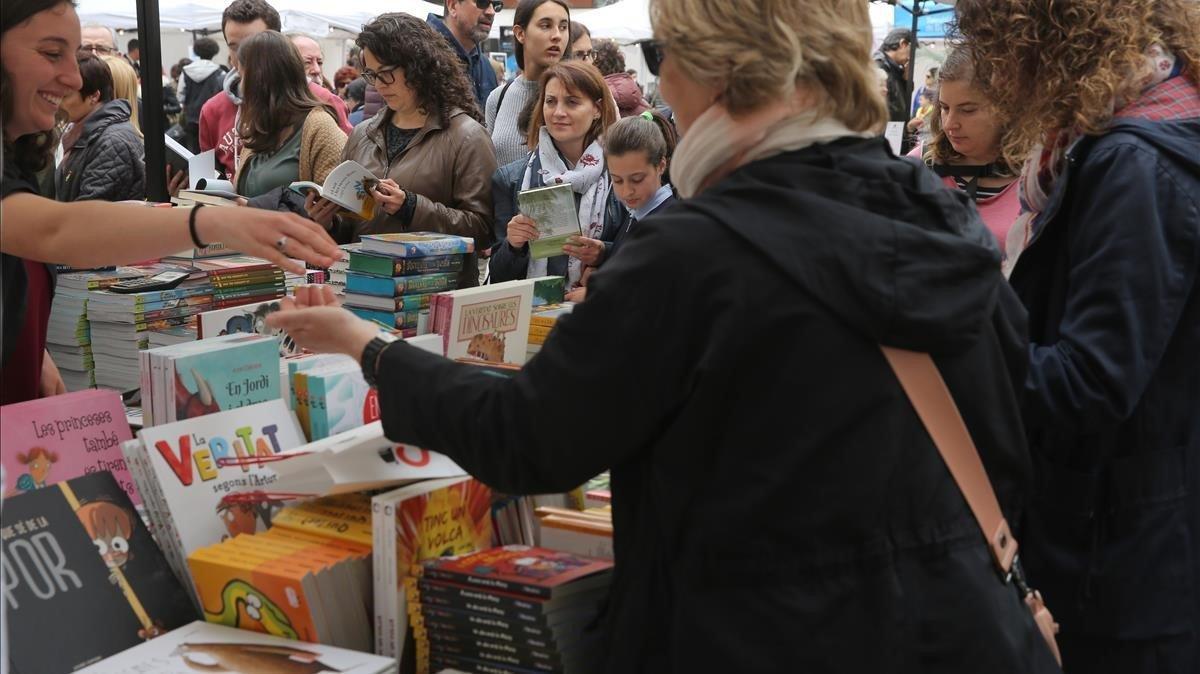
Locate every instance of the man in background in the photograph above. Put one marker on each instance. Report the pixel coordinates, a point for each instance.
(133, 50)
(100, 40)
(893, 56)
(465, 26)
(313, 57)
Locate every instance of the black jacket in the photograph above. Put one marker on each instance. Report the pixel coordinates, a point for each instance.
(508, 263)
(108, 160)
(898, 94)
(1112, 284)
(777, 504)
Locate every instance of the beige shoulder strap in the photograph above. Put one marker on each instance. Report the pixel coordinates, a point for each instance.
(935, 406)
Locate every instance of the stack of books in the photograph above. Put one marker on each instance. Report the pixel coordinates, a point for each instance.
(541, 322)
(68, 335)
(392, 277)
(185, 470)
(174, 335)
(309, 574)
(508, 609)
(242, 279)
(205, 647)
(120, 326)
(338, 270)
(209, 375)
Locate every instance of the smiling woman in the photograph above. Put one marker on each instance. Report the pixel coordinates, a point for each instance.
(39, 40)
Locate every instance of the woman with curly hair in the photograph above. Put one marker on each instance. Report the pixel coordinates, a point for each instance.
(433, 156)
(967, 146)
(1106, 257)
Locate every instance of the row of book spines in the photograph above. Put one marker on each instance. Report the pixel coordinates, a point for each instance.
(158, 314)
(237, 279)
(378, 264)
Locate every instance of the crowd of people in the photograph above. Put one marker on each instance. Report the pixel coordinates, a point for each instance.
(746, 247)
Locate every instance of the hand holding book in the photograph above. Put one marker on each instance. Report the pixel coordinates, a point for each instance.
(388, 195)
(521, 230)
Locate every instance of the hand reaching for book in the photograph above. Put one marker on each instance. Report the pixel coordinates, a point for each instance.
(588, 251)
(276, 237)
(521, 230)
(316, 322)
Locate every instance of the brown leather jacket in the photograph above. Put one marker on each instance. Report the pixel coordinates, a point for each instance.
(448, 169)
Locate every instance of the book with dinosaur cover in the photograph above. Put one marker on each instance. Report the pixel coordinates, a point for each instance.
(208, 647)
(416, 244)
(184, 470)
(63, 437)
(489, 323)
(414, 523)
(79, 562)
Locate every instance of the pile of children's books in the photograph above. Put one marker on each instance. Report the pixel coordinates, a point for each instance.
(509, 609)
(68, 334)
(242, 279)
(392, 277)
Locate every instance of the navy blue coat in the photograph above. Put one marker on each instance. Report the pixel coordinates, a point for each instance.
(510, 264)
(615, 233)
(478, 66)
(1112, 284)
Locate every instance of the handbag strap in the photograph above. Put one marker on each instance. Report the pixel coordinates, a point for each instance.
(927, 391)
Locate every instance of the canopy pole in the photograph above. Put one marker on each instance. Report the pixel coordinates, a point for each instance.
(150, 41)
(912, 59)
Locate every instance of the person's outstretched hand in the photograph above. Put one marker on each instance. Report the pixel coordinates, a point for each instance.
(271, 235)
(315, 321)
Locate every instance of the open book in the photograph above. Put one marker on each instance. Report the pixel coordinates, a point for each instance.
(347, 186)
(553, 209)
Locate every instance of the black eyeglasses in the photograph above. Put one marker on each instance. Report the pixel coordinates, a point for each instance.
(589, 55)
(652, 51)
(496, 4)
(387, 76)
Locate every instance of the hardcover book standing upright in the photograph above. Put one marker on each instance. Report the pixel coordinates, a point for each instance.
(63, 437)
(489, 323)
(79, 563)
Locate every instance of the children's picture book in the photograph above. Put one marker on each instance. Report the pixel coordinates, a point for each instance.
(348, 185)
(553, 210)
(230, 374)
(247, 318)
(416, 244)
(422, 521)
(63, 437)
(78, 562)
(489, 323)
(208, 647)
(187, 469)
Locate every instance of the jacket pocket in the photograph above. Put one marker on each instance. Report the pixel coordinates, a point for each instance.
(1144, 567)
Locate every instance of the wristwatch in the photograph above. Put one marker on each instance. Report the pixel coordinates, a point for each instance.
(371, 354)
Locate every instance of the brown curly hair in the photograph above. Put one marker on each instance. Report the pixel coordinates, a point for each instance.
(1060, 65)
(609, 59)
(431, 69)
(938, 151)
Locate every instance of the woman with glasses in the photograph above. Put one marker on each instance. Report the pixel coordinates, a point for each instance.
(433, 157)
(286, 133)
(541, 29)
(103, 152)
(580, 46)
(777, 504)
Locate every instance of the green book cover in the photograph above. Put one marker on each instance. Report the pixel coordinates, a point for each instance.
(553, 210)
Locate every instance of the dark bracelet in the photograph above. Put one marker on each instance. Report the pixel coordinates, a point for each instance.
(192, 226)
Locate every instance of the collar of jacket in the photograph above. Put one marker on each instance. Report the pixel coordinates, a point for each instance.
(440, 26)
(432, 123)
(112, 112)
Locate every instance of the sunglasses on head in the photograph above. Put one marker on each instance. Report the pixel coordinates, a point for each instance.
(652, 52)
(496, 4)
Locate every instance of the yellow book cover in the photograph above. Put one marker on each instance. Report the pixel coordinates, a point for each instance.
(250, 593)
(333, 522)
(358, 549)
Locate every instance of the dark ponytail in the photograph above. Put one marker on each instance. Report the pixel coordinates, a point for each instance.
(649, 132)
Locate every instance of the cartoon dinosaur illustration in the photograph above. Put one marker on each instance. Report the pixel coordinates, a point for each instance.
(487, 347)
(242, 605)
(256, 658)
(188, 404)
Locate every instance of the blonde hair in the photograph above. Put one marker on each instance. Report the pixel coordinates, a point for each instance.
(759, 51)
(125, 85)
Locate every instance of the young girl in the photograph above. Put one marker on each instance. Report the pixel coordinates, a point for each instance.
(574, 110)
(638, 152)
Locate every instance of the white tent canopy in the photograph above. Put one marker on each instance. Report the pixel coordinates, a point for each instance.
(626, 21)
(317, 17)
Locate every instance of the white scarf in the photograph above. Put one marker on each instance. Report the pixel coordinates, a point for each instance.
(717, 143)
(587, 179)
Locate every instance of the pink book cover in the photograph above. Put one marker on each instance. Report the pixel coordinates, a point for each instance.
(51, 440)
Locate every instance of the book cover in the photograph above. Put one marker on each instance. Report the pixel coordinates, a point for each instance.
(347, 185)
(489, 323)
(230, 374)
(340, 400)
(247, 318)
(417, 244)
(553, 210)
(192, 465)
(79, 562)
(208, 647)
(520, 569)
(429, 519)
(549, 290)
(63, 437)
(386, 265)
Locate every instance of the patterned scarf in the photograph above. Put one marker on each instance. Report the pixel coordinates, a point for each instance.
(546, 166)
(1047, 161)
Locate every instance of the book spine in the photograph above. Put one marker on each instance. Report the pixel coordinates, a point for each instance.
(491, 650)
(534, 635)
(412, 249)
(442, 327)
(452, 593)
(377, 582)
(147, 390)
(432, 283)
(436, 264)
(237, 279)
